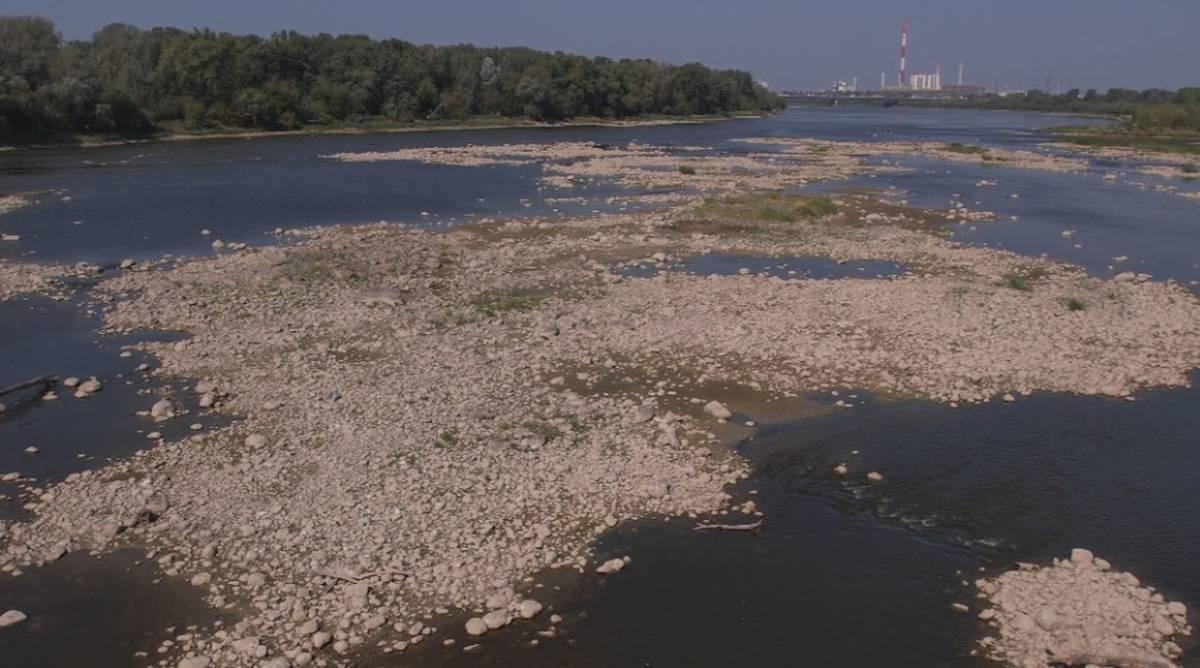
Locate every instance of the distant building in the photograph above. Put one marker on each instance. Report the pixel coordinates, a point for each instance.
(844, 87)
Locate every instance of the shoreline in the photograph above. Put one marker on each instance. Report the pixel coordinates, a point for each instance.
(91, 141)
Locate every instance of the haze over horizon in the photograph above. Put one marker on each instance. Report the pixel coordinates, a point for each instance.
(1019, 44)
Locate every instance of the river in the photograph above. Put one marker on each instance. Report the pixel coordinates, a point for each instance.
(843, 574)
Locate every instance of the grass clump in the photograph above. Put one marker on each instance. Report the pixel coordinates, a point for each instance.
(543, 429)
(768, 208)
(446, 439)
(497, 302)
(1018, 282)
(1075, 304)
(968, 149)
(687, 170)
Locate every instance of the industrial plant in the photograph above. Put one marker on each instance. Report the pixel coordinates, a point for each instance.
(917, 84)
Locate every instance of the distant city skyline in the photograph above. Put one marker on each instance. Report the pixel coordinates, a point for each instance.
(1016, 44)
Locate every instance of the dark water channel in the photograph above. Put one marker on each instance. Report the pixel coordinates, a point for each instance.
(722, 264)
(842, 574)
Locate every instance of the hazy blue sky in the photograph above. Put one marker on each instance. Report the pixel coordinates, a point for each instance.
(1085, 43)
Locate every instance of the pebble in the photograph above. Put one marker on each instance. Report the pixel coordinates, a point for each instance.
(717, 410)
(256, 441)
(321, 639)
(12, 618)
(611, 566)
(840, 470)
(497, 619)
(529, 608)
(1082, 557)
(476, 626)
(875, 476)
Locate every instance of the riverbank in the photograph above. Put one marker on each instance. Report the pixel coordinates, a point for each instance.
(461, 377)
(178, 132)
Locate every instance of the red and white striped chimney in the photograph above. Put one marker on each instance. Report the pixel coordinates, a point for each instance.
(904, 54)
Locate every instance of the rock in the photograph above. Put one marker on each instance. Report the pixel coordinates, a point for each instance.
(374, 622)
(218, 245)
(127, 264)
(476, 626)
(1009, 398)
(321, 639)
(644, 413)
(1176, 608)
(204, 387)
(1125, 277)
(960, 607)
(1047, 619)
(277, 662)
(1162, 625)
(1082, 557)
(12, 618)
(157, 504)
(89, 386)
(195, 662)
(840, 470)
(247, 646)
(201, 579)
(71, 382)
(875, 476)
(308, 628)
(497, 619)
(162, 409)
(529, 608)
(611, 566)
(717, 410)
(256, 441)
(208, 399)
(987, 614)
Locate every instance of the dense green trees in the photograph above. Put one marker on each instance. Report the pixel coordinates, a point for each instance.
(129, 80)
(1151, 109)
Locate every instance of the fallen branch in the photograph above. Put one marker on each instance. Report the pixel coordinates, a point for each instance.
(753, 526)
(43, 381)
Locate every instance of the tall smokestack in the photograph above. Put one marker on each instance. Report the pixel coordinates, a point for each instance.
(960, 70)
(903, 54)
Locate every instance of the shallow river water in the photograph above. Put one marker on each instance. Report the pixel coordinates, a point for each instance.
(843, 574)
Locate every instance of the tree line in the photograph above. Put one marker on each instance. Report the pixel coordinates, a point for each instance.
(1152, 109)
(127, 80)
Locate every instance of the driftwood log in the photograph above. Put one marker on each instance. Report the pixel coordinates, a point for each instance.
(753, 526)
(43, 381)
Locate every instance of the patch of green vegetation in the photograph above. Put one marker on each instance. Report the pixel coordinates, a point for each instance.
(1018, 282)
(1074, 304)
(580, 426)
(494, 303)
(446, 439)
(1124, 137)
(687, 170)
(312, 267)
(969, 149)
(767, 207)
(543, 429)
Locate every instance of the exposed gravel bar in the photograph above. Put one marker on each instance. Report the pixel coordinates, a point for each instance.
(1079, 612)
(411, 440)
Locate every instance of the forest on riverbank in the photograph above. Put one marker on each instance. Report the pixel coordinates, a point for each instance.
(130, 81)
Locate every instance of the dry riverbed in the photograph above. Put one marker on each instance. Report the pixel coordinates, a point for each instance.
(423, 421)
